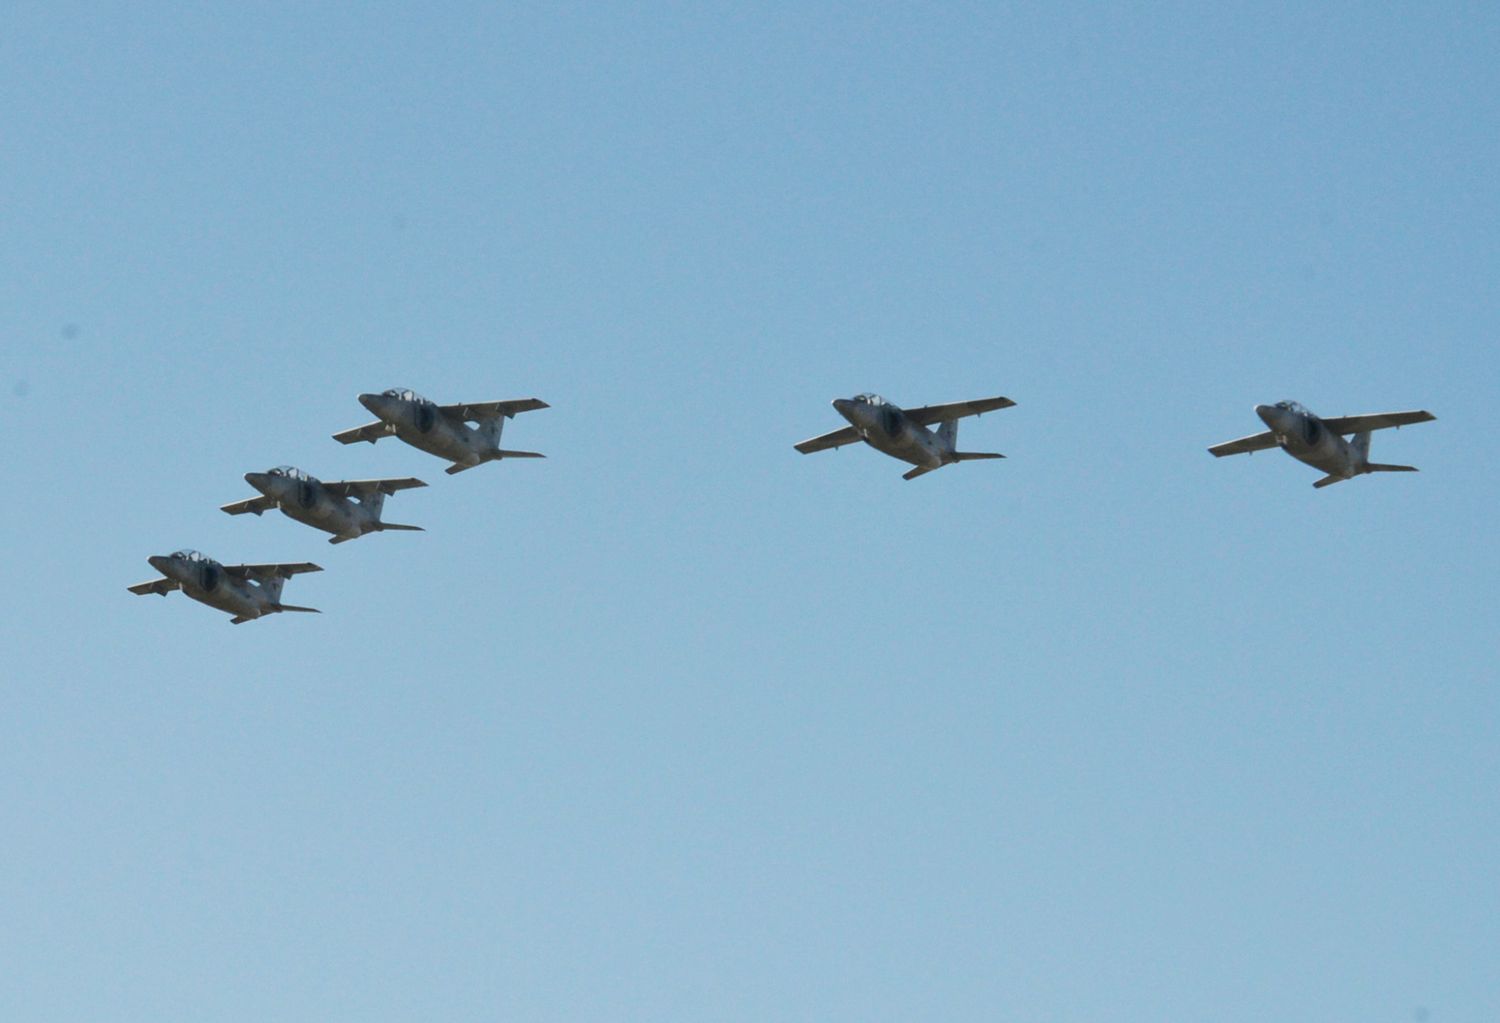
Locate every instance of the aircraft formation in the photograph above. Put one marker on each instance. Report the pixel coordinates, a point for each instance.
(349, 509)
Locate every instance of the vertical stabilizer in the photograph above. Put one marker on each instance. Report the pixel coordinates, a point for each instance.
(490, 429)
(948, 434)
(1359, 444)
(373, 501)
(271, 585)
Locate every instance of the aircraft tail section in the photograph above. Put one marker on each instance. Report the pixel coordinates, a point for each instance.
(920, 470)
(397, 525)
(948, 433)
(1377, 467)
(972, 456)
(372, 502)
(1328, 481)
(1359, 444)
(517, 454)
(490, 430)
(294, 607)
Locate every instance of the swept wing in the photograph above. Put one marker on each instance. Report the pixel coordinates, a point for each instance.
(836, 439)
(1254, 442)
(359, 488)
(370, 432)
(1376, 421)
(929, 414)
(479, 411)
(249, 504)
(285, 571)
(163, 586)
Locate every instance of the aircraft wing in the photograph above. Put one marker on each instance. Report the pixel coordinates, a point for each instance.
(1254, 442)
(249, 504)
(162, 586)
(1378, 421)
(357, 488)
(370, 432)
(836, 439)
(478, 411)
(929, 414)
(271, 571)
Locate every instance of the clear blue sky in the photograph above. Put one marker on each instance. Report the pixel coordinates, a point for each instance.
(679, 724)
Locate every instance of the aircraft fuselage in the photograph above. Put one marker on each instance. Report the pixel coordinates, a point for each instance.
(208, 583)
(1304, 436)
(887, 429)
(309, 502)
(421, 425)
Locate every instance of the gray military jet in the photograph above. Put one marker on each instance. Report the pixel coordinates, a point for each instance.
(902, 433)
(348, 508)
(442, 430)
(245, 591)
(1320, 442)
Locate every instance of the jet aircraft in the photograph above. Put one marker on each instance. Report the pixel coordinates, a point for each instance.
(442, 430)
(245, 591)
(1321, 442)
(902, 433)
(348, 508)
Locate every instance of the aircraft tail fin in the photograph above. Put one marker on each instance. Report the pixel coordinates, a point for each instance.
(373, 501)
(1359, 444)
(490, 430)
(1377, 467)
(948, 433)
(971, 456)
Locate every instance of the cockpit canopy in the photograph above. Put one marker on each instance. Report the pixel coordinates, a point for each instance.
(870, 398)
(196, 557)
(1292, 406)
(407, 394)
(291, 472)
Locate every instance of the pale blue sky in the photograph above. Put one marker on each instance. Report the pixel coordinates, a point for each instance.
(679, 724)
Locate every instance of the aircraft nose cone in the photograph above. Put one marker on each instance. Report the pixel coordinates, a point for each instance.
(258, 480)
(159, 562)
(1267, 413)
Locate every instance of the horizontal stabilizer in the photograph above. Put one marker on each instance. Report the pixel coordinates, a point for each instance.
(918, 471)
(518, 454)
(1377, 467)
(398, 525)
(1328, 481)
(294, 607)
(971, 456)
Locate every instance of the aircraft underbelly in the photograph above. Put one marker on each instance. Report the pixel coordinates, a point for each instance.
(1331, 458)
(330, 519)
(439, 441)
(226, 598)
(904, 448)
